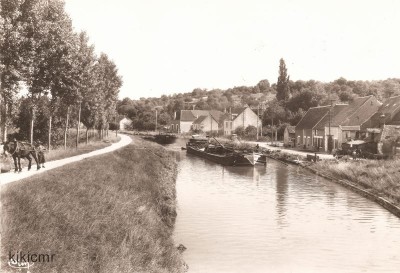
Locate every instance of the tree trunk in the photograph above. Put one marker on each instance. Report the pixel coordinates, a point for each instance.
(1, 130)
(31, 126)
(79, 122)
(87, 136)
(66, 129)
(49, 140)
(5, 121)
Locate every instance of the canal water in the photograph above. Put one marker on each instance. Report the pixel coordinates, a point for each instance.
(278, 218)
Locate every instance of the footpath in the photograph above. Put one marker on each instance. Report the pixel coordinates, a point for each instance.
(289, 151)
(9, 177)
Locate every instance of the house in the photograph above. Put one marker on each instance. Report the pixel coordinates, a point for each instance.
(289, 136)
(387, 113)
(343, 122)
(187, 120)
(385, 140)
(353, 119)
(304, 130)
(205, 124)
(124, 123)
(239, 117)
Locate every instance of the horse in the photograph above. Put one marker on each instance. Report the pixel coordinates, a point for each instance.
(20, 150)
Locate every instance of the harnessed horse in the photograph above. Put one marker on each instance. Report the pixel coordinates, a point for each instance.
(20, 150)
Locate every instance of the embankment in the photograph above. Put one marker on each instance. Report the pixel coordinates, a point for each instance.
(378, 180)
(110, 213)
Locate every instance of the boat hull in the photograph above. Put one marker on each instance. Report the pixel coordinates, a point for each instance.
(165, 139)
(227, 159)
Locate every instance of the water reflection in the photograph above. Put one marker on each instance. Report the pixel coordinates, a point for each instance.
(282, 188)
(278, 219)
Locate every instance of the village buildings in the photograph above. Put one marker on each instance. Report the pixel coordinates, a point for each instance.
(340, 122)
(214, 121)
(240, 117)
(124, 123)
(289, 136)
(190, 120)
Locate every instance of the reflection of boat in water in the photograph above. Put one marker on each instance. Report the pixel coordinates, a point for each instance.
(163, 138)
(222, 155)
(249, 172)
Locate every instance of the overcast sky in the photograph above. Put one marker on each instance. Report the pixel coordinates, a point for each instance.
(174, 46)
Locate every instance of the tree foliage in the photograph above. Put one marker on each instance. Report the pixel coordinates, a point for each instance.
(39, 48)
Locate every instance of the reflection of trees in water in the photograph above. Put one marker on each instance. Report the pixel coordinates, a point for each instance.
(282, 191)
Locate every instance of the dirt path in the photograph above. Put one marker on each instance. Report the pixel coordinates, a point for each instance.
(9, 177)
(288, 151)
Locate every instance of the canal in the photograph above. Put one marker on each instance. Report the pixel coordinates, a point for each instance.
(278, 218)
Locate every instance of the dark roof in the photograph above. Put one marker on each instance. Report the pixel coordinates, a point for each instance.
(388, 112)
(335, 111)
(187, 115)
(199, 120)
(191, 115)
(390, 106)
(238, 110)
(363, 113)
(349, 111)
(312, 117)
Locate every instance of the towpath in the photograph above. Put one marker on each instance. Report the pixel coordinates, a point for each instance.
(288, 151)
(9, 177)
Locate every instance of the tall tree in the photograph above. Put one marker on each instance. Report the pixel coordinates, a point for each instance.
(10, 62)
(282, 86)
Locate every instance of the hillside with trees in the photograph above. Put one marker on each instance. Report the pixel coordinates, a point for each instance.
(281, 103)
(65, 82)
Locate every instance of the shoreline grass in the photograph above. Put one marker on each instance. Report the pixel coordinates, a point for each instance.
(110, 213)
(379, 177)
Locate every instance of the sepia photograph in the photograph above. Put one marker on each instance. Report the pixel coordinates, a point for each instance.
(199, 136)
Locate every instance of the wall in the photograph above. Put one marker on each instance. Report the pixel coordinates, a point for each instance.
(246, 118)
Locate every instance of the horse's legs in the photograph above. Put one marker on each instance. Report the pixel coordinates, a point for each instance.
(34, 155)
(15, 163)
(19, 164)
(30, 161)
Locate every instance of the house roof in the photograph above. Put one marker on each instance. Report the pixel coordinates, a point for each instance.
(312, 117)
(390, 106)
(351, 115)
(335, 111)
(238, 111)
(192, 115)
(389, 112)
(343, 118)
(199, 120)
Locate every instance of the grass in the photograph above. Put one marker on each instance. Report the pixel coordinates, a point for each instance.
(380, 177)
(110, 213)
(94, 144)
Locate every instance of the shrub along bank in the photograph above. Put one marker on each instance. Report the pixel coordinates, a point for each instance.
(110, 213)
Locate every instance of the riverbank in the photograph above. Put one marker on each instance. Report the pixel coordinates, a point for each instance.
(378, 180)
(111, 213)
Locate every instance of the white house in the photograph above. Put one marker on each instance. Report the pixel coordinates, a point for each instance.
(124, 123)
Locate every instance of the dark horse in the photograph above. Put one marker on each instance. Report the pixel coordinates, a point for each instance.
(20, 150)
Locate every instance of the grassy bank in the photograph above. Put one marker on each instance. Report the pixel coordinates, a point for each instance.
(110, 213)
(379, 177)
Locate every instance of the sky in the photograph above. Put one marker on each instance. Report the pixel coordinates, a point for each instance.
(162, 47)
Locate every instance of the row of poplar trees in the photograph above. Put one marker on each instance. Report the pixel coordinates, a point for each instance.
(40, 50)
